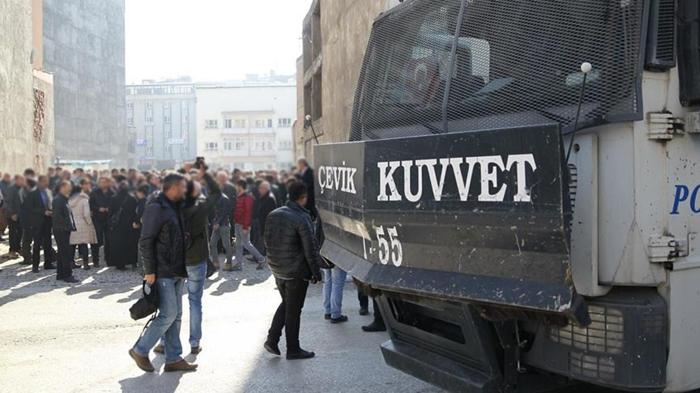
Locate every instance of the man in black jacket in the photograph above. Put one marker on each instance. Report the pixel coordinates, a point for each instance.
(100, 200)
(293, 256)
(63, 225)
(38, 205)
(306, 175)
(162, 247)
(265, 204)
(13, 205)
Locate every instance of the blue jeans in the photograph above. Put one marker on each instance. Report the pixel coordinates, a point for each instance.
(223, 234)
(167, 323)
(333, 284)
(196, 275)
(243, 241)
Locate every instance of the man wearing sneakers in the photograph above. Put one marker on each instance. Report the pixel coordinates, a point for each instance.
(243, 218)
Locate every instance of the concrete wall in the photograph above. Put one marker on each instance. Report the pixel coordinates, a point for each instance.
(43, 123)
(84, 49)
(16, 96)
(345, 29)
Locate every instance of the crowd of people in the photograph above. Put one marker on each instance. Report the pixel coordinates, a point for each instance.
(173, 225)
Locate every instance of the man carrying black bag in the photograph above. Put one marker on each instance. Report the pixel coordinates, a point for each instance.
(293, 256)
(162, 247)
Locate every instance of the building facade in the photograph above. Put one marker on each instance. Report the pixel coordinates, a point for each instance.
(335, 37)
(26, 92)
(161, 124)
(247, 126)
(83, 47)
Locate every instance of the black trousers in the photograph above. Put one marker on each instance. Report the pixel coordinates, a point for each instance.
(15, 236)
(27, 238)
(82, 251)
(364, 303)
(65, 259)
(363, 299)
(101, 228)
(42, 240)
(288, 315)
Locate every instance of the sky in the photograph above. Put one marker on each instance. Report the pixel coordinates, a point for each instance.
(212, 40)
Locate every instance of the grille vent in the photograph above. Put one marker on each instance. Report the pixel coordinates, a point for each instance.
(661, 41)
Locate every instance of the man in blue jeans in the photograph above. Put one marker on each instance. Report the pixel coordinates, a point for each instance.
(196, 211)
(333, 284)
(162, 246)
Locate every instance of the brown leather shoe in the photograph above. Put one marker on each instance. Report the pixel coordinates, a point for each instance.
(180, 365)
(159, 349)
(196, 350)
(141, 361)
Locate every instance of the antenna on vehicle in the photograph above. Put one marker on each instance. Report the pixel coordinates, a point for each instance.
(586, 68)
(308, 123)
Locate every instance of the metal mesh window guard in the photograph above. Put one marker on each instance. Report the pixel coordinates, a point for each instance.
(436, 66)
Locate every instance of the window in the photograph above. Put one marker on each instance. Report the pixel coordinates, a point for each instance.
(211, 146)
(227, 123)
(130, 114)
(260, 124)
(228, 146)
(285, 145)
(262, 144)
(149, 112)
(240, 123)
(167, 112)
(284, 122)
(239, 144)
(269, 123)
(211, 124)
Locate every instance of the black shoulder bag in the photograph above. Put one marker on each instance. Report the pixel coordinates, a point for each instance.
(147, 305)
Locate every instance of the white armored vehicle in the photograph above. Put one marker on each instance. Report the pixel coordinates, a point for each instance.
(522, 190)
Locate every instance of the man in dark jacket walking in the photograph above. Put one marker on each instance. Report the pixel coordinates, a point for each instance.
(196, 212)
(293, 256)
(63, 224)
(162, 247)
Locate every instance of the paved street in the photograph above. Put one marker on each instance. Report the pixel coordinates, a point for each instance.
(61, 338)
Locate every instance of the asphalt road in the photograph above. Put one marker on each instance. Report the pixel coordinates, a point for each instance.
(74, 338)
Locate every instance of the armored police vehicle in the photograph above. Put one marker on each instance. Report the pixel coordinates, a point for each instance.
(521, 189)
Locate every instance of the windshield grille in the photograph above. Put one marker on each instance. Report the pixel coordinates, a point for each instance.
(510, 63)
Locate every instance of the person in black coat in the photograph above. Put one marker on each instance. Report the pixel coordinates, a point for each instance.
(63, 224)
(293, 256)
(38, 213)
(306, 175)
(13, 207)
(123, 235)
(263, 207)
(100, 200)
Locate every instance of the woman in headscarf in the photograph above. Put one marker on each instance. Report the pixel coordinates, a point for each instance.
(124, 237)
